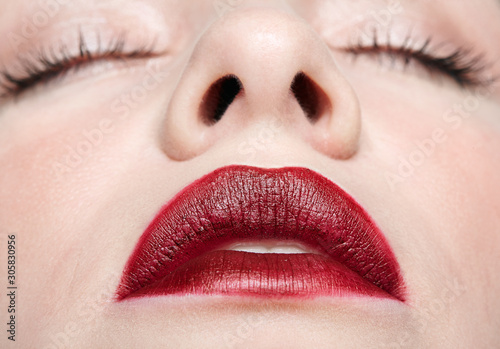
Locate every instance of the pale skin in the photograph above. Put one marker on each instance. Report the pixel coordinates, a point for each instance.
(88, 160)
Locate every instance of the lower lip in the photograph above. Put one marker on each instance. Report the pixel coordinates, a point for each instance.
(227, 272)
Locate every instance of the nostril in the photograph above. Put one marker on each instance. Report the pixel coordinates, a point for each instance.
(219, 97)
(311, 98)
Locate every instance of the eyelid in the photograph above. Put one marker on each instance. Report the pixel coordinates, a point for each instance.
(466, 68)
(48, 62)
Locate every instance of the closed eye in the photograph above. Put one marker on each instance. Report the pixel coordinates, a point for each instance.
(461, 65)
(49, 64)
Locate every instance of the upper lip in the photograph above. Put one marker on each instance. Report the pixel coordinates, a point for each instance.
(248, 203)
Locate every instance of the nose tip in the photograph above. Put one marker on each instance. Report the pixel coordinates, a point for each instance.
(257, 62)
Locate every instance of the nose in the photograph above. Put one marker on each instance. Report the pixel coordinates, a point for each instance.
(259, 63)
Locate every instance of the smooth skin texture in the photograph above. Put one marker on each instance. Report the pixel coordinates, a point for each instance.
(87, 161)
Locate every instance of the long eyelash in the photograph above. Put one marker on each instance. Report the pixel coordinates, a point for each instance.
(48, 64)
(465, 68)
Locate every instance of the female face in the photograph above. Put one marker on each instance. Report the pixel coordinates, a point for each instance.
(366, 138)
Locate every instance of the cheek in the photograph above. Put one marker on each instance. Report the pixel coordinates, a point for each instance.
(44, 161)
(58, 166)
(58, 156)
(451, 170)
(59, 162)
(461, 187)
(439, 151)
(463, 177)
(53, 190)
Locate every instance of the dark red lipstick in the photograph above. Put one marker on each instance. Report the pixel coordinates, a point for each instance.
(183, 251)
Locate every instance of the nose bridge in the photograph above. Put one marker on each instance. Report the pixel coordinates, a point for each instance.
(279, 63)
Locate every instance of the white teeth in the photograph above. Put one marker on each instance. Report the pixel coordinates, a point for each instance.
(269, 247)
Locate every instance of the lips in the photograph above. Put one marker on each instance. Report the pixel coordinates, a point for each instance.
(185, 249)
